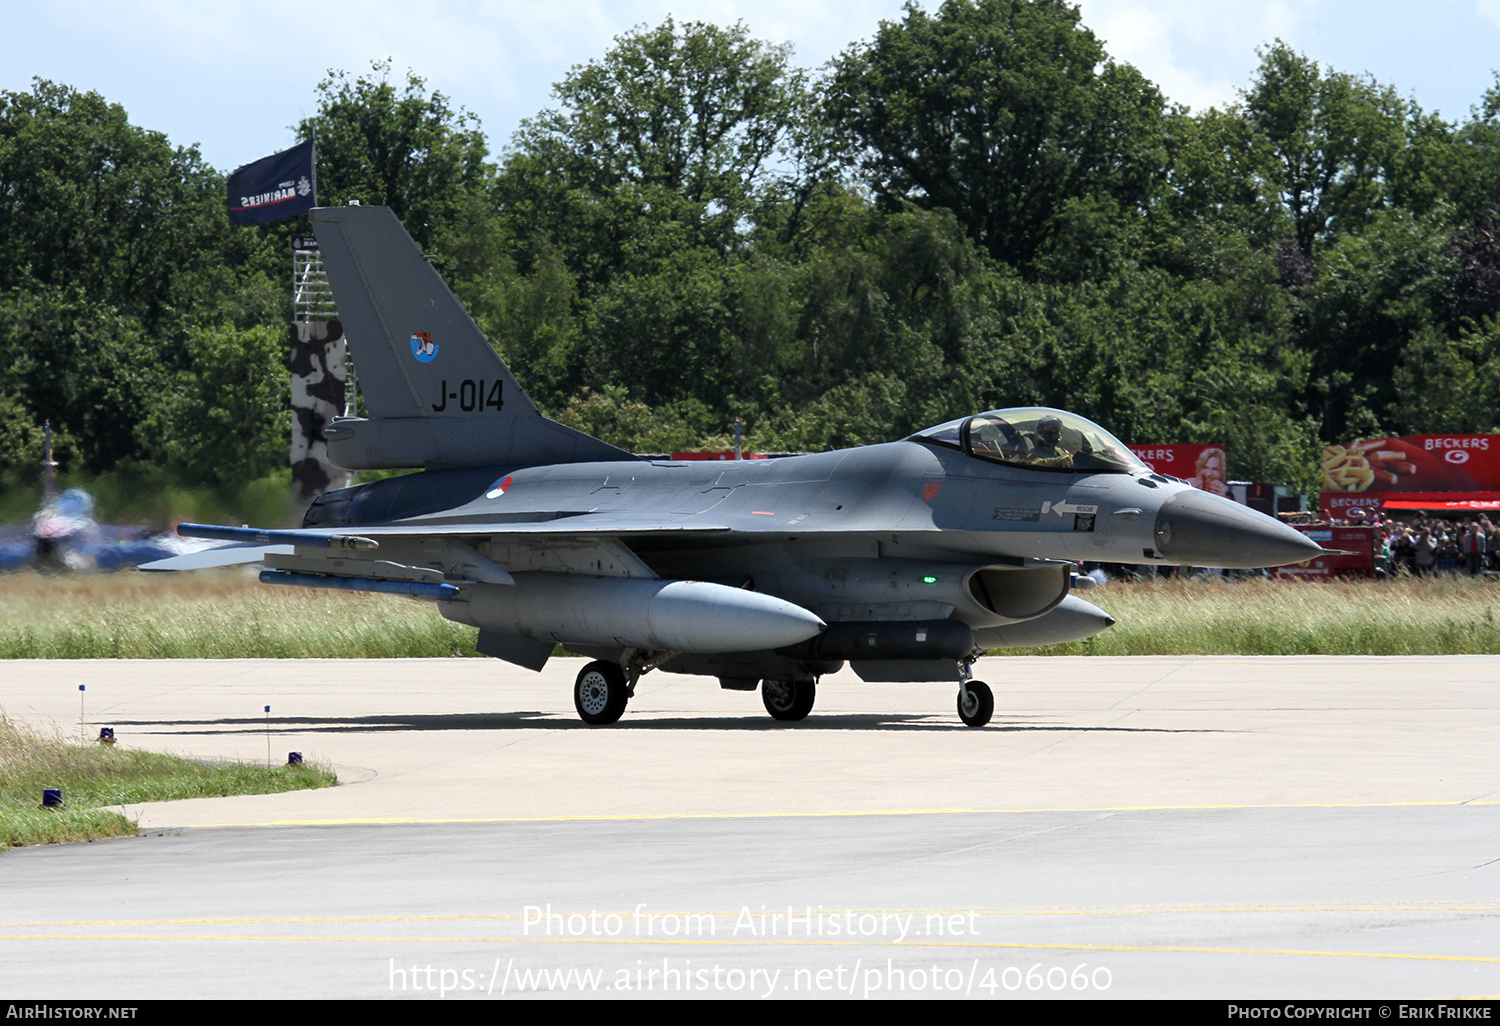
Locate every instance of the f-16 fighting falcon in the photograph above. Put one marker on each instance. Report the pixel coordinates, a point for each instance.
(63, 534)
(905, 559)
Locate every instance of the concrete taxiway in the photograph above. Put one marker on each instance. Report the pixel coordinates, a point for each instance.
(1192, 827)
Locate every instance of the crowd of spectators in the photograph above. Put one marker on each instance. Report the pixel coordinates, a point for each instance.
(1431, 545)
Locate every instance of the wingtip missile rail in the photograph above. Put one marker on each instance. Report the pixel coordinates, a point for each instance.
(309, 539)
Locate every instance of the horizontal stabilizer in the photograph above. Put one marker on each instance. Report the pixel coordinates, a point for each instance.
(224, 555)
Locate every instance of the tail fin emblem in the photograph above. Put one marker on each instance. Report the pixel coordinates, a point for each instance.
(423, 347)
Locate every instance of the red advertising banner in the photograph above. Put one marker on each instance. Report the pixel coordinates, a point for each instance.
(1202, 466)
(1453, 472)
(1358, 540)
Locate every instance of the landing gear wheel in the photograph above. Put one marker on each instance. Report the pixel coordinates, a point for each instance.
(599, 693)
(788, 700)
(976, 703)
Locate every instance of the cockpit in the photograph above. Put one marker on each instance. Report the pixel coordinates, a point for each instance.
(1036, 438)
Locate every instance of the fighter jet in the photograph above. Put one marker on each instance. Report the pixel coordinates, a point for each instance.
(906, 560)
(63, 534)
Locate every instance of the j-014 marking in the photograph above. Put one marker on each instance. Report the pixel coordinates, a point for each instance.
(471, 396)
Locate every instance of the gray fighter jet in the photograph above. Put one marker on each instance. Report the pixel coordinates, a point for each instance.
(905, 560)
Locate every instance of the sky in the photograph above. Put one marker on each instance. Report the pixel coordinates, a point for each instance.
(234, 78)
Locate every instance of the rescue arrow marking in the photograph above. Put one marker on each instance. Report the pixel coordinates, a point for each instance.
(1062, 508)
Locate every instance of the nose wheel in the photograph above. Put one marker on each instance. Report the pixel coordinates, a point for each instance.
(976, 703)
(600, 693)
(788, 700)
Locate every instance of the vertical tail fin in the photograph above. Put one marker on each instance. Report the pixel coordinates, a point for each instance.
(437, 393)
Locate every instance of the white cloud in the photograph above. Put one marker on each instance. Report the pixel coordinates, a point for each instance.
(1489, 10)
(1198, 51)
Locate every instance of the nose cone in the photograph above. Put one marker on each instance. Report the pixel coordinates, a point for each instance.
(1196, 528)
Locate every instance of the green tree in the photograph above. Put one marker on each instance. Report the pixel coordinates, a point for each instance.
(1330, 142)
(82, 364)
(1218, 191)
(1474, 182)
(630, 424)
(1476, 283)
(1445, 385)
(694, 111)
(631, 203)
(402, 148)
(92, 202)
(224, 419)
(1374, 293)
(1006, 112)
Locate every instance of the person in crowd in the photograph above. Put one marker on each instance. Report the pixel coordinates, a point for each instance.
(1476, 545)
(1447, 553)
(1426, 557)
(1404, 551)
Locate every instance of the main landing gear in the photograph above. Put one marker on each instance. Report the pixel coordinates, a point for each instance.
(603, 688)
(788, 700)
(600, 693)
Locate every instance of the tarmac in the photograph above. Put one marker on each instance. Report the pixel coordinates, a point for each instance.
(1207, 827)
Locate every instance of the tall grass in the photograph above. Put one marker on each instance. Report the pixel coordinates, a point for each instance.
(1407, 616)
(91, 775)
(228, 614)
(211, 615)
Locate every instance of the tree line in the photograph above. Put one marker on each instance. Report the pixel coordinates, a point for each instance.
(974, 208)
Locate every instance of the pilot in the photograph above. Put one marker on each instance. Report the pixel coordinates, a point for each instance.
(1045, 448)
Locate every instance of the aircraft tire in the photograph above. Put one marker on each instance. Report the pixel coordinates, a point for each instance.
(599, 693)
(976, 703)
(788, 700)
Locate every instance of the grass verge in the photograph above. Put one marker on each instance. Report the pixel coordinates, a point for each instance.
(94, 776)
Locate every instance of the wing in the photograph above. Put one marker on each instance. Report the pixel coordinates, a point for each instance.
(435, 552)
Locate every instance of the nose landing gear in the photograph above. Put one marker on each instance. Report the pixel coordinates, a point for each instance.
(976, 702)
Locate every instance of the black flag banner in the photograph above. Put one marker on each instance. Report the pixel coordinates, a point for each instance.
(274, 187)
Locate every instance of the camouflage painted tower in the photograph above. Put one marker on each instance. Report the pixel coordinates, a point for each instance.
(322, 376)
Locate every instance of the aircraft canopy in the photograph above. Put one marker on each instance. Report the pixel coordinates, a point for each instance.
(1037, 438)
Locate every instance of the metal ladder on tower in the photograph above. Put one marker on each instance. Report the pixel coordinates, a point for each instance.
(312, 300)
